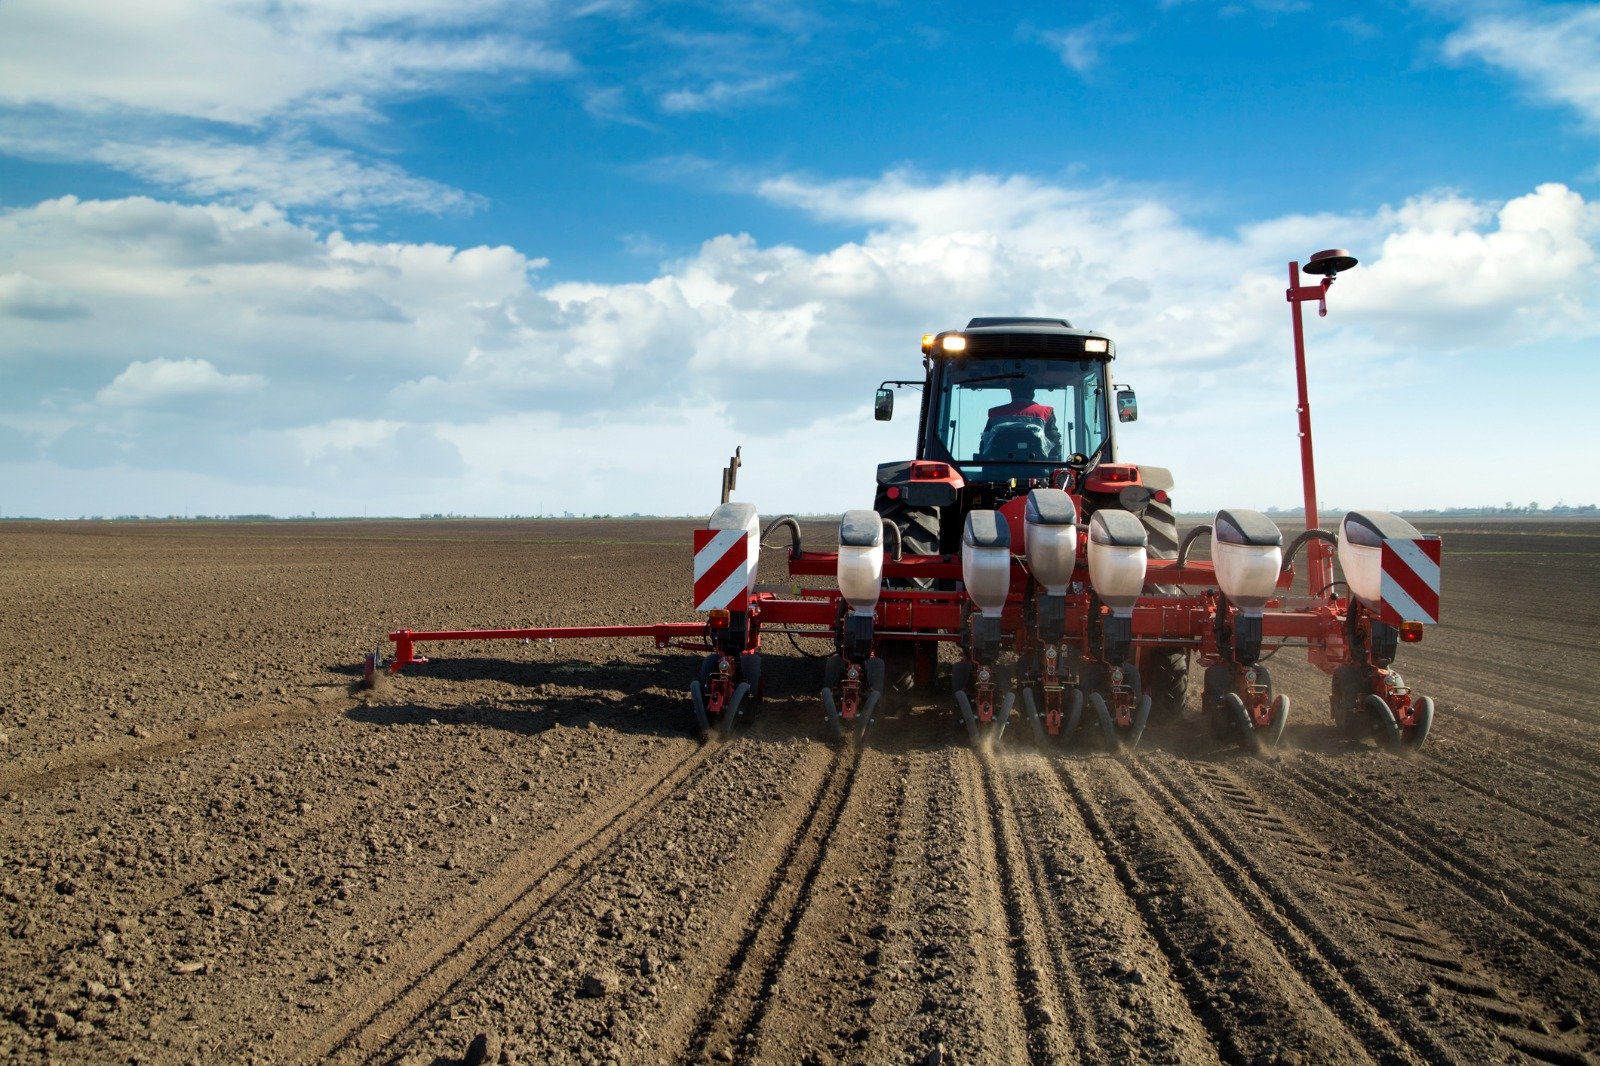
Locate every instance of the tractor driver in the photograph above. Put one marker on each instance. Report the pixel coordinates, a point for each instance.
(1022, 405)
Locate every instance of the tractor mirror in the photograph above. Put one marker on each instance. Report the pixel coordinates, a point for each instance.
(883, 407)
(1127, 405)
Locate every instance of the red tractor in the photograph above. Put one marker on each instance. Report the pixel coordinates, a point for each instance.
(1010, 405)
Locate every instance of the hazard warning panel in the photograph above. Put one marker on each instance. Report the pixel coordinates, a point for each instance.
(721, 569)
(1410, 580)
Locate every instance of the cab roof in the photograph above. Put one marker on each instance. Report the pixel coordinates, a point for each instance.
(1029, 337)
(1047, 324)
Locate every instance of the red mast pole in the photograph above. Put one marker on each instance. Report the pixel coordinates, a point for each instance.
(1319, 557)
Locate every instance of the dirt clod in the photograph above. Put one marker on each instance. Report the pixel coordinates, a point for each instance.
(484, 1050)
(598, 983)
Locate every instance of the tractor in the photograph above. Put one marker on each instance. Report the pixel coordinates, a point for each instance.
(1009, 405)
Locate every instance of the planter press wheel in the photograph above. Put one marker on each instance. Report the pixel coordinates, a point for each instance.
(1094, 684)
(697, 695)
(969, 718)
(749, 686)
(1280, 718)
(1249, 739)
(1414, 736)
(731, 714)
(1280, 710)
(1030, 711)
(1108, 728)
(1383, 718)
(832, 670)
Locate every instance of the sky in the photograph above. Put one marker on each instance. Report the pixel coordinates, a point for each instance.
(495, 257)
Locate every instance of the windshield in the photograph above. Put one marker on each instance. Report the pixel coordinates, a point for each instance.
(1005, 418)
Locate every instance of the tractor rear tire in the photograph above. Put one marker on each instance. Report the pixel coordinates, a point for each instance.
(1166, 672)
(919, 535)
(1166, 681)
(1348, 685)
(1161, 526)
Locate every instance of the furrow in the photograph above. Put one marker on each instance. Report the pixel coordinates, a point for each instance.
(1122, 999)
(1332, 969)
(1532, 916)
(1005, 972)
(373, 1013)
(1443, 961)
(739, 998)
(1043, 972)
(822, 999)
(1248, 999)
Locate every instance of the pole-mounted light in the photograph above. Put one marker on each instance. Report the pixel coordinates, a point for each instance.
(1328, 263)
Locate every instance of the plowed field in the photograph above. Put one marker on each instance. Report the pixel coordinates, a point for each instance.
(211, 850)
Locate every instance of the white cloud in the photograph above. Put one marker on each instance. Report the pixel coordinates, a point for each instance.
(284, 173)
(1455, 273)
(162, 381)
(1081, 48)
(723, 95)
(244, 62)
(1554, 50)
(237, 99)
(457, 375)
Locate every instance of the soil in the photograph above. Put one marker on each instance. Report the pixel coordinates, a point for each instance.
(213, 850)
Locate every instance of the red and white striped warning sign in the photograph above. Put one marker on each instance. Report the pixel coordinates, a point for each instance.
(1410, 580)
(721, 569)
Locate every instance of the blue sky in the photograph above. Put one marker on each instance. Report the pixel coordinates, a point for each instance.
(414, 256)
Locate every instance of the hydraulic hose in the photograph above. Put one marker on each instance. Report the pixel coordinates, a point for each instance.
(1188, 539)
(1304, 538)
(787, 521)
(890, 527)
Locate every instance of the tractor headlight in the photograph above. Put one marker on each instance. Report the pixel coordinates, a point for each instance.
(955, 343)
(1096, 344)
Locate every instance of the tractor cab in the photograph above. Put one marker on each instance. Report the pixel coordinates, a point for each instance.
(1013, 399)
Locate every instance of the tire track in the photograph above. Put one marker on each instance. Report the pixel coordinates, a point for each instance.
(741, 994)
(1530, 1028)
(1437, 767)
(1534, 917)
(1216, 955)
(369, 1018)
(826, 993)
(1333, 970)
(45, 772)
(903, 870)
